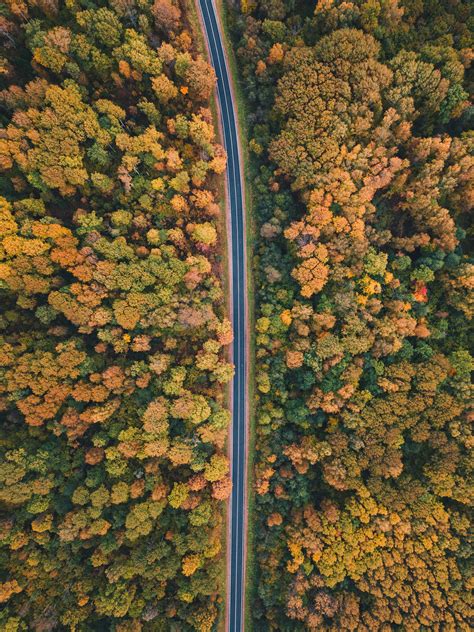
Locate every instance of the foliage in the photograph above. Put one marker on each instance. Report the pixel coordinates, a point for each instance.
(363, 173)
(113, 325)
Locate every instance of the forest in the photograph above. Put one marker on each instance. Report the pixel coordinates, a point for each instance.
(360, 131)
(113, 326)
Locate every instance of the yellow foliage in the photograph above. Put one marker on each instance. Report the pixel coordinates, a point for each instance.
(286, 317)
(190, 564)
(42, 523)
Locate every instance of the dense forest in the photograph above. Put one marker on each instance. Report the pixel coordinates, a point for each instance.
(113, 321)
(113, 327)
(362, 179)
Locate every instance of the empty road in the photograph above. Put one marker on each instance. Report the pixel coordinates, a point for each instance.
(237, 255)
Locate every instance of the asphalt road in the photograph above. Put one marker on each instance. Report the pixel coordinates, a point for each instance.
(237, 254)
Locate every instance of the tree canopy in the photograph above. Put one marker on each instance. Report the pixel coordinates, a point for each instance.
(362, 162)
(113, 326)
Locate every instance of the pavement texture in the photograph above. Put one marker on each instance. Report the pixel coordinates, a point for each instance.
(237, 254)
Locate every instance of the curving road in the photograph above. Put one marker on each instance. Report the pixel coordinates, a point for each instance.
(237, 254)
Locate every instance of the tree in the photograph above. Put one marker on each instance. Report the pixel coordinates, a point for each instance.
(108, 419)
(361, 269)
(167, 15)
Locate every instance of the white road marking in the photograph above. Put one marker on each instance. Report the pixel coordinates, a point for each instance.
(235, 158)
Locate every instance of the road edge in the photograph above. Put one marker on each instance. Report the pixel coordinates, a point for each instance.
(229, 66)
(226, 12)
(217, 9)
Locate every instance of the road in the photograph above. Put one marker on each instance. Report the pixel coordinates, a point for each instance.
(237, 255)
